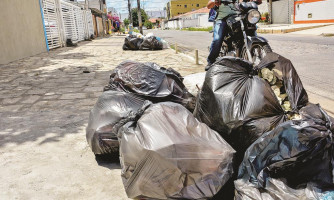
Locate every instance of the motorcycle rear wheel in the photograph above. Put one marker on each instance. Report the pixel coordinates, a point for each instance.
(258, 52)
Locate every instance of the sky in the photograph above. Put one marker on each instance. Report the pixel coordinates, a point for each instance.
(149, 5)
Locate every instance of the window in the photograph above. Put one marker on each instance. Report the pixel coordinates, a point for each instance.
(185, 6)
(197, 5)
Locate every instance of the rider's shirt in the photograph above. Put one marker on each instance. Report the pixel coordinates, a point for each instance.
(225, 10)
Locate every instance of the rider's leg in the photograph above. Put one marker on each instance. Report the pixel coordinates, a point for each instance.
(218, 36)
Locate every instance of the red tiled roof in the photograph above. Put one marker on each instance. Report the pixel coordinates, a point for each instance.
(201, 10)
(153, 20)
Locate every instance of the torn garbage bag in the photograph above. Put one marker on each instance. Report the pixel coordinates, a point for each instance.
(151, 82)
(166, 153)
(293, 161)
(110, 108)
(240, 105)
(132, 42)
(151, 43)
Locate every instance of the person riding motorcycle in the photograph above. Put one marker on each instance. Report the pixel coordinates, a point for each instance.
(224, 9)
(219, 28)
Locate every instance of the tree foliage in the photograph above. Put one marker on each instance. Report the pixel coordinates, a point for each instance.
(134, 14)
(126, 22)
(148, 24)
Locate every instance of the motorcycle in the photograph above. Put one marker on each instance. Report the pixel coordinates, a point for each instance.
(241, 39)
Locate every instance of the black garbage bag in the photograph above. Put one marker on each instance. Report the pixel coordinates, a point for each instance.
(110, 108)
(240, 105)
(132, 42)
(166, 153)
(151, 43)
(152, 82)
(293, 161)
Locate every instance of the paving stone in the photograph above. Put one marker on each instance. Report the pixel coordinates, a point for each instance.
(30, 99)
(10, 108)
(93, 89)
(11, 100)
(73, 96)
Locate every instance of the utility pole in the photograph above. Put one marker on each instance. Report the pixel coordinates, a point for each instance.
(130, 16)
(270, 9)
(139, 17)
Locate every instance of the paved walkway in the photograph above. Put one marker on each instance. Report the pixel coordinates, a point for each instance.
(288, 28)
(44, 107)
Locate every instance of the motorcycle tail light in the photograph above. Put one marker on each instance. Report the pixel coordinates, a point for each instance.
(253, 16)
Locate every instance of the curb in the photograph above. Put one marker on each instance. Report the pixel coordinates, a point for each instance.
(287, 30)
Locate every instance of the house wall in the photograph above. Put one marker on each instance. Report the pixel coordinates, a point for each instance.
(22, 31)
(203, 21)
(316, 11)
(183, 6)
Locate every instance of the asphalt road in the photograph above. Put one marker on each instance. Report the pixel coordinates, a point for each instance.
(312, 56)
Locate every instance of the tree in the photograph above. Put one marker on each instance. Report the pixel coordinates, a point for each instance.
(134, 14)
(126, 22)
(148, 24)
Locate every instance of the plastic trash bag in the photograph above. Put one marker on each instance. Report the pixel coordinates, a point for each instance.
(151, 82)
(166, 153)
(164, 44)
(276, 189)
(293, 161)
(110, 108)
(151, 43)
(194, 82)
(240, 105)
(132, 42)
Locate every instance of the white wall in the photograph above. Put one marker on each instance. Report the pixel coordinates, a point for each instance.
(320, 10)
(203, 21)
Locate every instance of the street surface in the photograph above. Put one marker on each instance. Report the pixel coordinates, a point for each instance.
(312, 56)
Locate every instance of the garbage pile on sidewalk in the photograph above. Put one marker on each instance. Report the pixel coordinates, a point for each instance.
(252, 130)
(137, 41)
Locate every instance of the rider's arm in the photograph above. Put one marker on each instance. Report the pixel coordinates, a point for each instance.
(212, 3)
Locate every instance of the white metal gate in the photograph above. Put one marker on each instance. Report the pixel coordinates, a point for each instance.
(90, 25)
(51, 23)
(281, 12)
(68, 18)
(64, 20)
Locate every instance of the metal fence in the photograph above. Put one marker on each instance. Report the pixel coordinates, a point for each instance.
(63, 21)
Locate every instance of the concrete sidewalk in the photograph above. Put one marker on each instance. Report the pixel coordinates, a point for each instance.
(44, 107)
(287, 28)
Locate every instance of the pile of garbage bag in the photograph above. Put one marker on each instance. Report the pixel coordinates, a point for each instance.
(132, 42)
(293, 161)
(137, 41)
(166, 153)
(252, 134)
(131, 83)
(242, 102)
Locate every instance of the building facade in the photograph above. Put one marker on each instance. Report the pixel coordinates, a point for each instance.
(315, 11)
(178, 7)
(22, 32)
